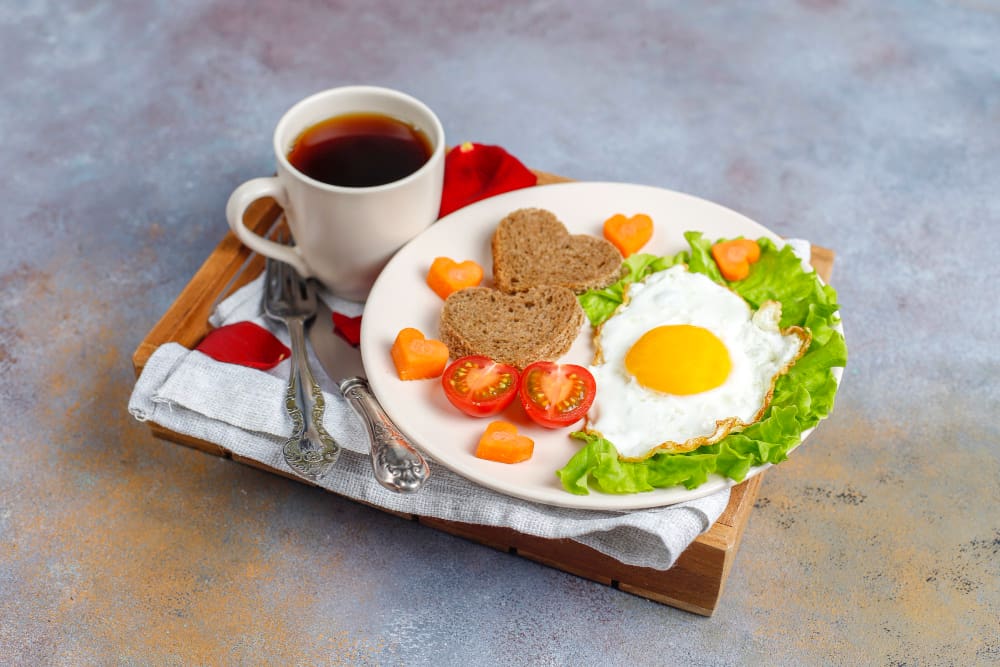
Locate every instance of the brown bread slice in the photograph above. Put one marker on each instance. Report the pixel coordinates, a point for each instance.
(516, 329)
(531, 247)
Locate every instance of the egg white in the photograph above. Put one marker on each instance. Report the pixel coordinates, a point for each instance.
(639, 421)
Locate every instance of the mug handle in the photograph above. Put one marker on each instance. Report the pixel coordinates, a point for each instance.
(246, 194)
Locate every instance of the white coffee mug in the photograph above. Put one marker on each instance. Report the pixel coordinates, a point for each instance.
(345, 235)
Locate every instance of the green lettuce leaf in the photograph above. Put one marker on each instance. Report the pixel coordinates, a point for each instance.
(597, 463)
(700, 258)
(802, 397)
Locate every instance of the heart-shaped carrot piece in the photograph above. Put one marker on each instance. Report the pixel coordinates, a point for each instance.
(628, 234)
(501, 442)
(417, 357)
(734, 257)
(446, 275)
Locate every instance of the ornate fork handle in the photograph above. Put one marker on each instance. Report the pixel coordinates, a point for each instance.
(397, 464)
(311, 451)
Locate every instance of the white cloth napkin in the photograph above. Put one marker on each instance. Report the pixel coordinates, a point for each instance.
(242, 410)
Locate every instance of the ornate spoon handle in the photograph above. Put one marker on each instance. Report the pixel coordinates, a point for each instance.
(397, 464)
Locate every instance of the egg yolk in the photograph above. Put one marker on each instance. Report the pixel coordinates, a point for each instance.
(679, 359)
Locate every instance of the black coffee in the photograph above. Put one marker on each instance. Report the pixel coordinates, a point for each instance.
(360, 150)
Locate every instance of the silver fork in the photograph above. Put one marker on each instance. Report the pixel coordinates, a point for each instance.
(310, 451)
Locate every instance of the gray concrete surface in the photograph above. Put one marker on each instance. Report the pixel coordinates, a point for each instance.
(872, 128)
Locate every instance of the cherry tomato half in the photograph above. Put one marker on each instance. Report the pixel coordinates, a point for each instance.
(479, 386)
(556, 395)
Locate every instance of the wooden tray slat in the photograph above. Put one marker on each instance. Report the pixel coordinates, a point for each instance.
(695, 582)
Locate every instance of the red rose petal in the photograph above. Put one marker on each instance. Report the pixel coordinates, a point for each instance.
(246, 344)
(477, 171)
(348, 328)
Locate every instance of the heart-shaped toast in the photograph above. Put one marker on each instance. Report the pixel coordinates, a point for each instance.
(531, 247)
(516, 329)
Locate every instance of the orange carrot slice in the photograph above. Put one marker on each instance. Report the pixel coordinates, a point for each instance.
(417, 357)
(735, 257)
(446, 275)
(628, 234)
(502, 443)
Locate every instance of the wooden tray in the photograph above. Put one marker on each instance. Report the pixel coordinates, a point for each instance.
(694, 583)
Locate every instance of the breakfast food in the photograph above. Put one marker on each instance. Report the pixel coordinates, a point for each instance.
(417, 357)
(684, 362)
(734, 257)
(556, 395)
(479, 386)
(502, 443)
(446, 275)
(713, 360)
(532, 248)
(628, 234)
(801, 397)
(516, 329)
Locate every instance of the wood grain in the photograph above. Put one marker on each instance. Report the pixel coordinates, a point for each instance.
(696, 581)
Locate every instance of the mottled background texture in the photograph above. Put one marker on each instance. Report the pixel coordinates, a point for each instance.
(872, 128)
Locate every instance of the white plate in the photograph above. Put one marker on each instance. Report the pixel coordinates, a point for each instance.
(401, 298)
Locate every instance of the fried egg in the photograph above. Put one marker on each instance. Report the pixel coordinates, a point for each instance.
(684, 362)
